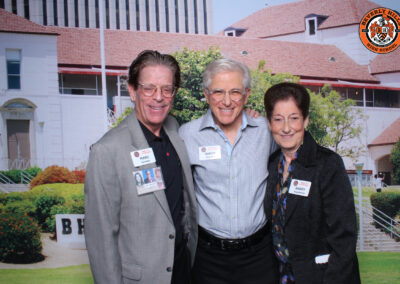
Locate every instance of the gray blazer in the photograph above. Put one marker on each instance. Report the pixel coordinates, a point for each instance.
(130, 238)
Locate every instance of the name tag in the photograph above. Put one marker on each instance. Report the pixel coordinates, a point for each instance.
(143, 157)
(209, 153)
(300, 187)
(149, 180)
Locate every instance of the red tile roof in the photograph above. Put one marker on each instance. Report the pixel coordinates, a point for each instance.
(389, 136)
(386, 63)
(13, 23)
(289, 18)
(82, 47)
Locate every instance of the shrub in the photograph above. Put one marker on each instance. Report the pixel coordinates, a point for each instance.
(53, 174)
(43, 208)
(387, 202)
(20, 207)
(72, 206)
(33, 171)
(79, 176)
(19, 239)
(16, 175)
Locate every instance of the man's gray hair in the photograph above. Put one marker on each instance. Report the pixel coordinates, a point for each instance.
(226, 65)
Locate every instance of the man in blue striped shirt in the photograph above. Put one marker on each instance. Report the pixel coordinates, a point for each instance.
(228, 152)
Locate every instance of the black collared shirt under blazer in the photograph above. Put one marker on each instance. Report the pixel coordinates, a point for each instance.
(324, 222)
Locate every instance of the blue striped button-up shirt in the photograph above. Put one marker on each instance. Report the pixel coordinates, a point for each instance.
(230, 191)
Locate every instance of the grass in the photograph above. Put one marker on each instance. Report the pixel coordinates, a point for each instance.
(379, 267)
(375, 268)
(367, 191)
(65, 275)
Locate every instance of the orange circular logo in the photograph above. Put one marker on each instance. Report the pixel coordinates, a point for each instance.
(379, 30)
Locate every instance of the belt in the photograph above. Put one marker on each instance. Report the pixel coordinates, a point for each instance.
(234, 244)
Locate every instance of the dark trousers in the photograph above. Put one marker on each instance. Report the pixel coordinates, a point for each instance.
(254, 265)
(181, 270)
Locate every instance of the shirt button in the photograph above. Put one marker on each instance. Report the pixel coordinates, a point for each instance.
(171, 236)
(169, 269)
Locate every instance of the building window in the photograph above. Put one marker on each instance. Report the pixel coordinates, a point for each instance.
(137, 16)
(14, 6)
(26, 9)
(107, 14)
(117, 13)
(230, 33)
(55, 13)
(157, 17)
(76, 13)
(96, 5)
(311, 27)
(147, 16)
(196, 26)
(13, 57)
(186, 17)
(176, 16)
(128, 23)
(66, 13)
(166, 16)
(44, 13)
(87, 13)
(205, 16)
(2, 4)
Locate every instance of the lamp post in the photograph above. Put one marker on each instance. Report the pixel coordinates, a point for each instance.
(359, 167)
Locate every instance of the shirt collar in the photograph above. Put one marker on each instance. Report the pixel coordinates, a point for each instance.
(208, 121)
(150, 137)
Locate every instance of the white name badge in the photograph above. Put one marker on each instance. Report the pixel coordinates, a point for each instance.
(148, 180)
(143, 157)
(209, 153)
(300, 187)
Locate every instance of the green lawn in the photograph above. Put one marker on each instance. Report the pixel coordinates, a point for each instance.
(367, 191)
(375, 268)
(72, 274)
(379, 267)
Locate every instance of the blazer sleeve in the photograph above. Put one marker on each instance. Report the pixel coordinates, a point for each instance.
(102, 207)
(341, 229)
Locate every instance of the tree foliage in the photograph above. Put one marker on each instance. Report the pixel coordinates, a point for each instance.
(395, 159)
(333, 121)
(189, 102)
(262, 80)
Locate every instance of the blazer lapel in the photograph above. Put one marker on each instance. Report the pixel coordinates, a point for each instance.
(300, 173)
(139, 142)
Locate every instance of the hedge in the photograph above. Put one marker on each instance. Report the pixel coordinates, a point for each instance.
(15, 175)
(387, 202)
(40, 201)
(19, 239)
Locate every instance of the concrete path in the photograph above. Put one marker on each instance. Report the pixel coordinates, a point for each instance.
(56, 255)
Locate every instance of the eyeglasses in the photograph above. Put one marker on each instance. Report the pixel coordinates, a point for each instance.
(293, 120)
(235, 94)
(149, 90)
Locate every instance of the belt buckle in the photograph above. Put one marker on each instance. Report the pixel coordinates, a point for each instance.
(232, 245)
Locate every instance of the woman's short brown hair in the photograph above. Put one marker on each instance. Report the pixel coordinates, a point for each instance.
(286, 91)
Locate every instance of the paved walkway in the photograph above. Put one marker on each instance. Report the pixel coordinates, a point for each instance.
(56, 255)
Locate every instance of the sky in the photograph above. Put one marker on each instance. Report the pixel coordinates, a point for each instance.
(228, 12)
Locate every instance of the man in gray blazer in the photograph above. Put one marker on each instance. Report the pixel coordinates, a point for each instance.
(142, 233)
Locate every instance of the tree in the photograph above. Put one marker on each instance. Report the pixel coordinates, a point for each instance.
(334, 121)
(395, 159)
(189, 102)
(262, 80)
